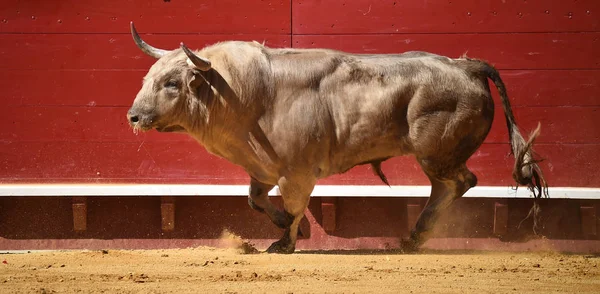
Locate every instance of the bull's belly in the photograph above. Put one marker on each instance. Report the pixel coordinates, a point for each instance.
(348, 159)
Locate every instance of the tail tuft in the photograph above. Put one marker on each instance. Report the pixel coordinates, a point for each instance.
(526, 171)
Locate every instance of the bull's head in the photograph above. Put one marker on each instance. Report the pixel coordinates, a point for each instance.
(166, 98)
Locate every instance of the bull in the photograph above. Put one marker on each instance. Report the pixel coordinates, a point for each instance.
(292, 116)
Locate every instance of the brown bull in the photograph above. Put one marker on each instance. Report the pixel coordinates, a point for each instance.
(292, 116)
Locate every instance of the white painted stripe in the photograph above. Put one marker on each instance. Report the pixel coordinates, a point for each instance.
(242, 190)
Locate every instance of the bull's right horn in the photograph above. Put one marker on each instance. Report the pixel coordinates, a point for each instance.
(201, 63)
(154, 52)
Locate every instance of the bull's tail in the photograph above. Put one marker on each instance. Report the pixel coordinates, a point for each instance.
(526, 170)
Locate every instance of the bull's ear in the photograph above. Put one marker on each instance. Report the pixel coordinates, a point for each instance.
(194, 60)
(195, 80)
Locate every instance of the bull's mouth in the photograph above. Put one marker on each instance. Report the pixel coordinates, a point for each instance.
(147, 123)
(169, 129)
(139, 127)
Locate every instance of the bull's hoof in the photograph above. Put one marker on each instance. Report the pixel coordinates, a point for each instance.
(254, 206)
(281, 247)
(409, 246)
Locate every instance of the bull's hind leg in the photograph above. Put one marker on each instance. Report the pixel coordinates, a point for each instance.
(445, 188)
(296, 195)
(259, 200)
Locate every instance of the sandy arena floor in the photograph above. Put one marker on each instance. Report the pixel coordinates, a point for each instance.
(210, 270)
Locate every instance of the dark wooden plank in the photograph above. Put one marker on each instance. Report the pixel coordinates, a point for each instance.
(103, 51)
(118, 87)
(569, 165)
(107, 124)
(442, 16)
(506, 51)
(180, 16)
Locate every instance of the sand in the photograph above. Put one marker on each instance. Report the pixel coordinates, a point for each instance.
(211, 270)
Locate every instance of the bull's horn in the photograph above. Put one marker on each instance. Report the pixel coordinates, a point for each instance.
(154, 52)
(201, 63)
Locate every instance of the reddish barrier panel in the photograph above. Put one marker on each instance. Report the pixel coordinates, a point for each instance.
(552, 87)
(571, 165)
(94, 88)
(175, 17)
(443, 16)
(90, 71)
(566, 125)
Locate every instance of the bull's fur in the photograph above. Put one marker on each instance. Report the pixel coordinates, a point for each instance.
(292, 116)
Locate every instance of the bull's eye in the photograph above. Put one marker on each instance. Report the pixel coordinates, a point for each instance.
(171, 84)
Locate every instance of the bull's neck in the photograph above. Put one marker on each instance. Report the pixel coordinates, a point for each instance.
(227, 128)
(217, 116)
(235, 95)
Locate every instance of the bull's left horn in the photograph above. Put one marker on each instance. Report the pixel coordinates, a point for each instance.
(154, 52)
(202, 64)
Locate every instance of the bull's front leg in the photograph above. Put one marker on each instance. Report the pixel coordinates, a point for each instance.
(295, 192)
(258, 200)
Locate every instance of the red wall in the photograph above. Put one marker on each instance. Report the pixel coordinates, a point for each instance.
(69, 71)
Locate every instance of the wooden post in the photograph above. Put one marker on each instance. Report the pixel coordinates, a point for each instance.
(167, 213)
(589, 226)
(413, 210)
(500, 218)
(79, 213)
(329, 213)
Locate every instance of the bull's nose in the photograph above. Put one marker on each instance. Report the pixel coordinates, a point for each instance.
(132, 117)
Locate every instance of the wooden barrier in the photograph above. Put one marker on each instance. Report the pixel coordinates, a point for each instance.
(69, 71)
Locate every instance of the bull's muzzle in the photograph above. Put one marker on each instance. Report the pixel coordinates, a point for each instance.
(140, 120)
